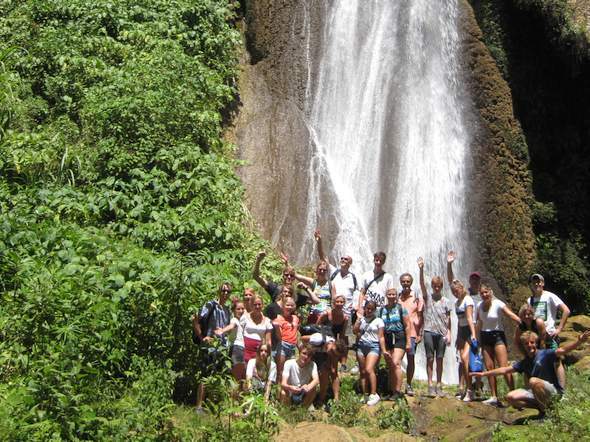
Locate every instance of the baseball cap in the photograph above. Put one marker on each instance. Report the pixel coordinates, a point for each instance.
(536, 276)
(476, 274)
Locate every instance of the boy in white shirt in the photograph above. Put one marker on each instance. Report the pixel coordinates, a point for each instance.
(300, 379)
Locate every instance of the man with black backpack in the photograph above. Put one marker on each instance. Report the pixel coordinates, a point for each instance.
(343, 282)
(213, 315)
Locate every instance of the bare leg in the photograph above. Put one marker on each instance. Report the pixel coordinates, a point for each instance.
(362, 372)
(284, 397)
(324, 380)
(502, 357)
(429, 369)
(439, 370)
(200, 395)
(309, 397)
(371, 362)
(488, 358)
(398, 355)
(334, 377)
(410, 369)
(280, 364)
(465, 365)
(519, 399)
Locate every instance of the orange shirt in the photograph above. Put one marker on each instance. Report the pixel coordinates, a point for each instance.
(288, 328)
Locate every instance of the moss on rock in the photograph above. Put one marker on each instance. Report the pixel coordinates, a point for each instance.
(502, 182)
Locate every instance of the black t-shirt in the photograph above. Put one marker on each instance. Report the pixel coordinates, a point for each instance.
(274, 290)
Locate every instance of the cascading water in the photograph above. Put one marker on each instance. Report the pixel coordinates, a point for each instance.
(385, 111)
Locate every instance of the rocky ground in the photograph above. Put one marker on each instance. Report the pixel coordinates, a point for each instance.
(435, 419)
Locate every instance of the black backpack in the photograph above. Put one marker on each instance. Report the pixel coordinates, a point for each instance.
(204, 323)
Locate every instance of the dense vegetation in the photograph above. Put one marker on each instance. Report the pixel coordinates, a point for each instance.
(120, 212)
(545, 57)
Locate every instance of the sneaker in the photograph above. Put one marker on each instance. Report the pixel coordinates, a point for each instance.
(409, 390)
(364, 398)
(397, 395)
(468, 396)
(199, 411)
(493, 401)
(311, 408)
(459, 395)
(373, 400)
(431, 391)
(440, 392)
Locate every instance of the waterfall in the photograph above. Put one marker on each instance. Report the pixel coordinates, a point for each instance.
(386, 115)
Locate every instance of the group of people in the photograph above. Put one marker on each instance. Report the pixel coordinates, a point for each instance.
(320, 318)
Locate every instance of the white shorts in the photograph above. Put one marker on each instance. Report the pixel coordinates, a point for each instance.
(549, 388)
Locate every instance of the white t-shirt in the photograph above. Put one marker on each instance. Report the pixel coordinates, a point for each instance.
(492, 319)
(345, 286)
(253, 330)
(298, 376)
(370, 331)
(239, 330)
(546, 308)
(461, 308)
(378, 288)
(251, 371)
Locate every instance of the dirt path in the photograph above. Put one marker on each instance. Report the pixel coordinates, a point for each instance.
(436, 419)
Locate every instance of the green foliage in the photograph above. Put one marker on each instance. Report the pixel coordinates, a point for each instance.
(399, 417)
(245, 419)
(347, 411)
(120, 212)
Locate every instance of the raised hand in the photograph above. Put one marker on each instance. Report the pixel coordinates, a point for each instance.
(261, 255)
(317, 235)
(451, 256)
(584, 336)
(420, 263)
(285, 258)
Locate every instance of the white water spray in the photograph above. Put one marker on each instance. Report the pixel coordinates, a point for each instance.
(386, 117)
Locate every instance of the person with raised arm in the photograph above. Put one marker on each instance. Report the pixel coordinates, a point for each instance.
(490, 328)
(474, 277)
(539, 365)
(271, 287)
(319, 291)
(437, 328)
(473, 291)
(546, 305)
(375, 283)
(344, 282)
(396, 335)
(466, 336)
(415, 307)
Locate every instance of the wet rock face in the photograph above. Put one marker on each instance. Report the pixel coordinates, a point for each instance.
(270, 130)
(501, 182)
(274, 140)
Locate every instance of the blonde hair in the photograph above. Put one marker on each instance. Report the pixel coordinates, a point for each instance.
(527, 336)
(525, 308)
